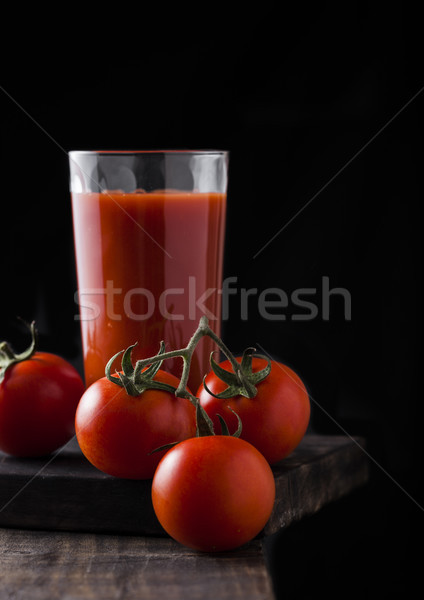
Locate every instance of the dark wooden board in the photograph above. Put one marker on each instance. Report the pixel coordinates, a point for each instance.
(76, 566)
(66, 493)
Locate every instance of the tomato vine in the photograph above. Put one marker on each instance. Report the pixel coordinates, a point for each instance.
(138, 378)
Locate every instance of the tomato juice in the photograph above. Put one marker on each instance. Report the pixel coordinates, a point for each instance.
(148, 266)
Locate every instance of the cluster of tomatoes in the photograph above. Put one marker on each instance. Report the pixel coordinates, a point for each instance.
(211, 491)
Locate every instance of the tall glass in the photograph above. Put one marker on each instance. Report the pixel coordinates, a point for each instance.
(149, 240)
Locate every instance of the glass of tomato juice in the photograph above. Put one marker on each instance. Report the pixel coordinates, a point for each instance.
(149, 232)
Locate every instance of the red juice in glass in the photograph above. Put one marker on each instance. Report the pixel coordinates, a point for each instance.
(149, 265)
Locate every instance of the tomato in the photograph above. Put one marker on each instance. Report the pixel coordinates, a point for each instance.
(275, 420)
(38, 400)
(213, 493)
(117, 432)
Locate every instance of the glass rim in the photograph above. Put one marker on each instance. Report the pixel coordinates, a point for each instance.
(210, 152)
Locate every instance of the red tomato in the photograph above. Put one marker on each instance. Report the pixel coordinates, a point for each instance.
(213, 493)
(38, 400)
(116, 432)
(274, 421)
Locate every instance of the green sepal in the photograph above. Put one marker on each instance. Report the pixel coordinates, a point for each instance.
(225, 376)
(128, 384)
(8, 357)
(164, 447)
(227, 393)
(126, 363)
(238, 431)
(204, 424)
(243, 382)
(152, 369)
(224, 426)
(134, 380)
(246, 361)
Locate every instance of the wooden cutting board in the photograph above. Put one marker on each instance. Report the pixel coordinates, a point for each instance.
(64, 492)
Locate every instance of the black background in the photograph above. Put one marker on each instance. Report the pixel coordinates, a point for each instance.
(294, 93)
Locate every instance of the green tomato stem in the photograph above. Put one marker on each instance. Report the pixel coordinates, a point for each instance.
(8, 356)
(134, 382)
(186, 354)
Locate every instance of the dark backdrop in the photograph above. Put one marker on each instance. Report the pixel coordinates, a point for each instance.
(321, 109)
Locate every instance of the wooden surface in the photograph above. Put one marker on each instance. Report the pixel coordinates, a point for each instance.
(321, 470)
(71, 566)
(66, 493)
(63, 524)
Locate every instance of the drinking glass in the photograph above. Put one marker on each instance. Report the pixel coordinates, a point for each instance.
(149, 232)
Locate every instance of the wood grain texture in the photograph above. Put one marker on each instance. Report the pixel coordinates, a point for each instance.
(321, 470)
(87, 559)
(72, 566)
(66, 493)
